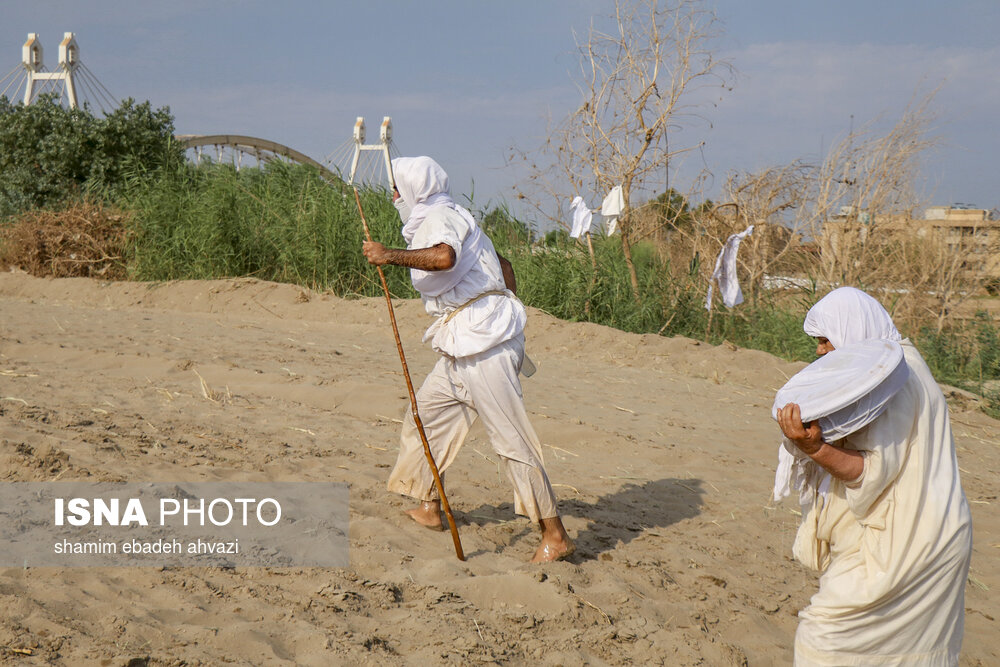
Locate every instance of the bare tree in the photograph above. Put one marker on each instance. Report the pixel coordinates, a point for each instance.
(865, 183)
(868, 221)
(642, 76)
(942, 273)
(854, 220)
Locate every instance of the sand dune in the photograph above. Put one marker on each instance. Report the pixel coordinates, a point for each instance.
(661, 452)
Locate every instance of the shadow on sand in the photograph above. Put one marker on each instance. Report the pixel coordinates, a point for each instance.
(617, 518)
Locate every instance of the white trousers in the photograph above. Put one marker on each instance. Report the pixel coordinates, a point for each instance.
(457, 391)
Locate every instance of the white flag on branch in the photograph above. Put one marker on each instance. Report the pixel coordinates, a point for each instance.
(582, 217)
(612, 207)
(725, 272)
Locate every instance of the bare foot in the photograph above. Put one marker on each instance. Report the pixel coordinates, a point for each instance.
(427, 514)
(556, 544)
(551, 552)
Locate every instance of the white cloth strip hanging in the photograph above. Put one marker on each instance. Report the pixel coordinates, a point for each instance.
(582, 218)
(725, 272)
(612, 207)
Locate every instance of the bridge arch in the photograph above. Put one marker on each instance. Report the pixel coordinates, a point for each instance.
(263, 150)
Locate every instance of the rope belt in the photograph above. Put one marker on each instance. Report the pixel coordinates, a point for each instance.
(470, 302)
(527, 366)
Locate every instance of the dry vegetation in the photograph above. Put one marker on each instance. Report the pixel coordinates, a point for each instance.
(85, 239)
(852, 220)
(640, 70)
(844, 221)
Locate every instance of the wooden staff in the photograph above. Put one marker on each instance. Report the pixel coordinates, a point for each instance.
(593, 274)
(714, 286)
(413, 397)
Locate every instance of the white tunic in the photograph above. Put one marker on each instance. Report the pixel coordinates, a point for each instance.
(894, 547)
(482, 324)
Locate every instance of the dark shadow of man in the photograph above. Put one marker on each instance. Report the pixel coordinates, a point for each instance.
(617, 518)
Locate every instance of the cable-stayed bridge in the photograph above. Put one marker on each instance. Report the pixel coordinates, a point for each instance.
(354, 161)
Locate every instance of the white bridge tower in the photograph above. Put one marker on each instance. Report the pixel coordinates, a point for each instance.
(69, 60)
(385, 138)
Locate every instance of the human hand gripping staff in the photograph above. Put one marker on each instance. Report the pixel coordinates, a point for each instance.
(413, 398)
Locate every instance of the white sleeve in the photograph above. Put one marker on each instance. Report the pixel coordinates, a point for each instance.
(442, 225)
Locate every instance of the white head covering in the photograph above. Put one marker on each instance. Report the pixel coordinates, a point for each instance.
(847, 388)
(848, 318)
(422, 183)
(847, 315)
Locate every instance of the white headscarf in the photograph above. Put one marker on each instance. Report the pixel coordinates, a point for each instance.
(422, 184)
(848, 388)
(847, 315)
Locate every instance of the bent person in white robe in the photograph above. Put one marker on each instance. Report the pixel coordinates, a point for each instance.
(479, 333)
(892, 532)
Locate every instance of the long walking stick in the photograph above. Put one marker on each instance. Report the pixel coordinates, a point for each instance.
(413, 398)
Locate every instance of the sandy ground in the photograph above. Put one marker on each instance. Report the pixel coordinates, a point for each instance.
(661, 452)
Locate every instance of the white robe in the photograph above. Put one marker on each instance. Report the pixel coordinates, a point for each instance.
(894, 547)
(452, 397)
(481, 340)
(482, 324)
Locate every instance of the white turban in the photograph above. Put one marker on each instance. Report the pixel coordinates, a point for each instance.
(847, 315)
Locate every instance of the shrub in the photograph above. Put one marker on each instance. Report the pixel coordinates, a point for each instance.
(280, 222)
(50, 154)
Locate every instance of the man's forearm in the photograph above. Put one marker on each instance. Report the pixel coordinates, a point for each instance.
(844, 464)
(436, 258)
(426, 259)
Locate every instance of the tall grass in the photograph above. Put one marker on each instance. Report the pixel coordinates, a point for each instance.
(560, 279)
(966, 356)
(285, 223)
(280, 222)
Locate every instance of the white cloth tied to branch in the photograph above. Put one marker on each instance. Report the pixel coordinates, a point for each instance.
(612, 207)
(582, 217)
(725, 272)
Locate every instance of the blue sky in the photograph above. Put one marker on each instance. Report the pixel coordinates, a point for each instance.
(464, 80)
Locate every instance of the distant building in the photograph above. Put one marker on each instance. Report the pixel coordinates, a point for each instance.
(971, 231)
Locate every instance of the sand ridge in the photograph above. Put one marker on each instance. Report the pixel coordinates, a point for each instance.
(661, 452)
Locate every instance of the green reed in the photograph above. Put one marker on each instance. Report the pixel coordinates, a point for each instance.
(285, 223)
(281, 222)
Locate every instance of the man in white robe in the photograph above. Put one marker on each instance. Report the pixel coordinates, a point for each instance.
(892, 532)
(479, 333)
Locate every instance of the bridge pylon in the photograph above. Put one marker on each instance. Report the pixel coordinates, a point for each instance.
(33, 60)
(385, 138)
